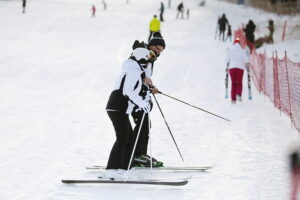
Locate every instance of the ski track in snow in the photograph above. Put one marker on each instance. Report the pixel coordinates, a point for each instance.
(57, 67)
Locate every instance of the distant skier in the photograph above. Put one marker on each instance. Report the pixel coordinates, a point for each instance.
(162, 10)
(104, 5)
(237, 60)
(249, 31)
(180, 10)
(294, 160)
(155, 45)
(223, 22)
(154, 26)
(229, 33)
(23, 6)
(271, 31)
(187, 13)
(93, 9)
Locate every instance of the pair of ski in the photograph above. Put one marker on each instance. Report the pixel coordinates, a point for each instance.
(168, 182)
(249, 85)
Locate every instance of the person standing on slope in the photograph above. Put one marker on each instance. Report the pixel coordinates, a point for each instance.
(154, 26)
(237, 60)
(123, 98)
(156, 45)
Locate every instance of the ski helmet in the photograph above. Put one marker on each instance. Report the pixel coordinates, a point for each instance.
(141, 55)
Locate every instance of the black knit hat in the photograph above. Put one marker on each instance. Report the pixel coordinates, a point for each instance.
(157, 39)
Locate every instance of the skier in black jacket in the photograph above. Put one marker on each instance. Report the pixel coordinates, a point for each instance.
(222, 26)
(249, 31)
(157, 45)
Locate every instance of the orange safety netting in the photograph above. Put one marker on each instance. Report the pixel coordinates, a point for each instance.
(279, 79)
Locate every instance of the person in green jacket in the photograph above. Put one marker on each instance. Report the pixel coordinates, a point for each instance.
(154, 26)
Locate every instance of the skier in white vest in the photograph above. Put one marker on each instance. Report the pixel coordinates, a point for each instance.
(237, 60)
(123, 98)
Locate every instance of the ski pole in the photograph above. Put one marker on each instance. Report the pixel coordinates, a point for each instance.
(168, 127)
(137, 138)
(249, 84)
(150, 146)
(194, 106)
(226, 85)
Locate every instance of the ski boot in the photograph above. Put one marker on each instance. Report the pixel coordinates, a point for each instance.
(155, 162)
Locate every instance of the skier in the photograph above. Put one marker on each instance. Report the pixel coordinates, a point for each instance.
(154, 26)
(23, 6)
(188, 13)
(229, 33)
(295, 174)
(271, 31)
(162, 10)
(236, 60)
(123, 98)
(93, 9)
(180, 9)
(104, 5)
(249, 31)
(156, 45)
(222, 26)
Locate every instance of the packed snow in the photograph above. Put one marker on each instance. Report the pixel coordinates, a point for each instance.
(57, 68)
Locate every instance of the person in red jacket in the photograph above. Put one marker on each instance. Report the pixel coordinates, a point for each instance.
(236, 61)
(93, 10)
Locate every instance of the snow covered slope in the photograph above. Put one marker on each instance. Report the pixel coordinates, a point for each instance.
(57, 67)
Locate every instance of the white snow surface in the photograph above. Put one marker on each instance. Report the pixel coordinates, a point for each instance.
(57, 68)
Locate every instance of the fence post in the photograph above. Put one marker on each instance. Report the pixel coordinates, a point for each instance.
(289, 91)
(264, 59)
(283, 32)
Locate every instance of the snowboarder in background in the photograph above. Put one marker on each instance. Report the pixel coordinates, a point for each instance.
(154, 26)
(162, 10)
(23, 6)
(104, 5)
(93, 9)
(141, 158)
(223, 22)
(249, 32)
(180, 10)
(229, 33)
(122, 100)
(237, 60)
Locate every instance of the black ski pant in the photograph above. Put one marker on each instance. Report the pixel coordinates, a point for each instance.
(142, 144)
(121, 151)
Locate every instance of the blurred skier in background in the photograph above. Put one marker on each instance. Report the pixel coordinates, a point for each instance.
(23, 6)
(162, 10)
(154, 26)
(93, 9)
(104, 5)
(229, 33)
(223, 22)
(180, 10)
(237, 60)
(249, 32)
(295, 174)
